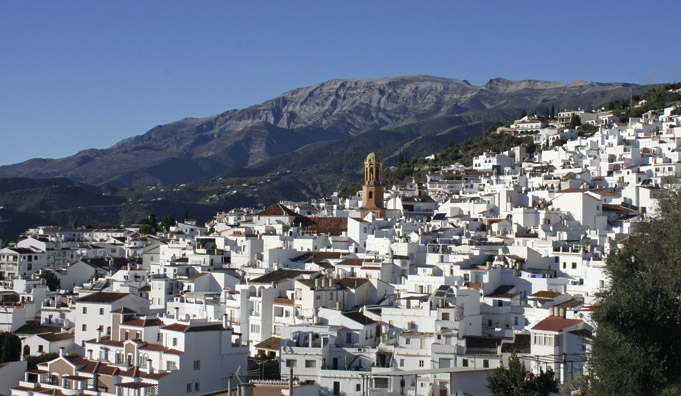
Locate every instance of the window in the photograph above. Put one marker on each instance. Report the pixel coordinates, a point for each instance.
(196, 386)
(574, 265)
(421, 363)
(290, 362)
(84, 327)
(485, 363)
(101, 311)
(564, 265)
(171, 366)
(127, 335)
(40, 348)
(174, 341)
(318, 297)
(310, 363)
(197, 365)
(464, 362)
(381, 382)
(255, 328)
(445, 316)
(358, 387)
(348, 338)
(407, 341)
(189, 387)
(515, 321)
(401, 362)
(85, 310)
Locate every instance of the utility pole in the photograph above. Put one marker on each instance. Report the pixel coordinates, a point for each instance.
(290, 382)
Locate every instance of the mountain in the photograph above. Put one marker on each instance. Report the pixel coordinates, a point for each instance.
(412, 114)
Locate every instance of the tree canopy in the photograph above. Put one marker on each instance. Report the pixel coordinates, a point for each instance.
(149, 225)
(515, 381)
(10, 347)
(51, 280)
(637, 347)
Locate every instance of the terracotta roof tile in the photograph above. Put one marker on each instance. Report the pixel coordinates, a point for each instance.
(102, 297)
(272, 344)
(556, 324)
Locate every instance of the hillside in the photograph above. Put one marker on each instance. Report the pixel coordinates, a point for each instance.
(422, 112)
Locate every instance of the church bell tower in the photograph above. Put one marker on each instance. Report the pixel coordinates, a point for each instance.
(372, 190)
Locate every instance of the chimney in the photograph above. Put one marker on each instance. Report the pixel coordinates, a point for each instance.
(226, 322)
(177, 313)
(99, 334)
(150, 366)
(61, 351)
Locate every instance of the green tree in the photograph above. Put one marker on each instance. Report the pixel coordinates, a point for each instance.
(575, 121)
(637, 349)
(553, 112)
(52, 281)
(149, 224)
(10, 347)
(513, 381)
(168, 221)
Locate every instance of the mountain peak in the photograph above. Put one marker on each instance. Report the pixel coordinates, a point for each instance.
(199, 148)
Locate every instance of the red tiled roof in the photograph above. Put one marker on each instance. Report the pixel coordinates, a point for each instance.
(102, 297)
(327, 225)
(277, 210)
(556, 324)
(283, 301)
(545, 294)
(272, 344)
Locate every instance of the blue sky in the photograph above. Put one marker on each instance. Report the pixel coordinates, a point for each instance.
(87, 74)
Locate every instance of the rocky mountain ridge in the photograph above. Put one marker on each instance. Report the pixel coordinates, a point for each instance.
(194, 149)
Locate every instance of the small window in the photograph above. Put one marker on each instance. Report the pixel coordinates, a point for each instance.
(196, 386)
(401, 362)
(310, 363)
(197, 365)
(485, 363)
(84, 327)
(85, 310)
(464, 363)
(445, 316)
(421, 363)
(101, 311)
(189, 387)
(574, 265)
(174, 341)
(290, 362)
